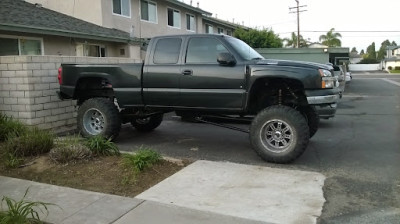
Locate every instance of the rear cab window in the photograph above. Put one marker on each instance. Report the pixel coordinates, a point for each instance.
(167, 51)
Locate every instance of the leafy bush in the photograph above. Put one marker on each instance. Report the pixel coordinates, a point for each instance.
(22, 212)
(12, 161)
(10, 127)
(32, 142)
(102, 146)
(69, 149)
(390, 68)
(397, 68)
(368, 61)
(141, 160)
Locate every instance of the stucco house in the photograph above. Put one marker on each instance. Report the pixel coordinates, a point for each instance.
(29, 29)
(392, 59)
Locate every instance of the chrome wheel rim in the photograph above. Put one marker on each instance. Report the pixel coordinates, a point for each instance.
(94, 121)
(276, 136)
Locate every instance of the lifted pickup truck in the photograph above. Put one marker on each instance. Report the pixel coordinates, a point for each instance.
(203, 75)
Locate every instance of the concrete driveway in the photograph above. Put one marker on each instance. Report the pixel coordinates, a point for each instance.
(358, 151)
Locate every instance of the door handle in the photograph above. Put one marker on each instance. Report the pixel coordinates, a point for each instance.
(187, 72)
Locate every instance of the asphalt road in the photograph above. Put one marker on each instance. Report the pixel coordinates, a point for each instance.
(358, 150)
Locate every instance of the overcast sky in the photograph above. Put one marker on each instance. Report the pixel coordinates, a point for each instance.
(321, 15)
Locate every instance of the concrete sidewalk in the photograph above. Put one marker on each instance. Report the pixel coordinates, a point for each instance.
(204, 192)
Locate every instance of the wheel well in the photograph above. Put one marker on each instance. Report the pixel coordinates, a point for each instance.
(276, 91)
(91, 87)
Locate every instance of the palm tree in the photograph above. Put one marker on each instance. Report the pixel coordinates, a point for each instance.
(292, 42)
(331, 39)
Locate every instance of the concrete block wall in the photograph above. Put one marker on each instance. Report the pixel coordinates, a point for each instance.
(28, 86)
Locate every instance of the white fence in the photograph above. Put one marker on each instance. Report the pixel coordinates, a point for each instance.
(365, 67)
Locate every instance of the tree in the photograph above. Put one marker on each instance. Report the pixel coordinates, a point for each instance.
(259, 38)
(393, 43)
(370, 56)
(331, 39)
(371, 53)
(354, 50)
(382, 50)
(362, 52)
(292, 41)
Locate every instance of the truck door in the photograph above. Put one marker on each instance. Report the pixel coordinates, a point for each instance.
(204, 83)
(162, 72)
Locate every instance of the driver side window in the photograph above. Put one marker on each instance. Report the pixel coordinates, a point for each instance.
(204, 50)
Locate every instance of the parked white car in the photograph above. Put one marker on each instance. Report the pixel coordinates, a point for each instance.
(348, 77)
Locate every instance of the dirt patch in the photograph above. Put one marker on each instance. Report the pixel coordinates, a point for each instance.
(101, 174)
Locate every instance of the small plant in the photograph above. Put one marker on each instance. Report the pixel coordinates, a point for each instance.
(12, 161)
(69, 149)
(141, 160)
(102, 146)
(30, 143)
(10, 127)
(22, 212)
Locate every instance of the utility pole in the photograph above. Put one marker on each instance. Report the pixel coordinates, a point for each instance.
(298, 19)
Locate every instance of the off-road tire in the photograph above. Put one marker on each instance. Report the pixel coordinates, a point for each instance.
(279, 134)
(312, 117)
(99, 116)
(147, 124)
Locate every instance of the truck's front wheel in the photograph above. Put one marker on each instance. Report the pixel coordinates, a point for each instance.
(147, 124)
(99, 116)
(279, 134)
(312, 117)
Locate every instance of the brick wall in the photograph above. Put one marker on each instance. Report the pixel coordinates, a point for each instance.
(28, 86)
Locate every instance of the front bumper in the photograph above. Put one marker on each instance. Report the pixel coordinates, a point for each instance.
(324, 101)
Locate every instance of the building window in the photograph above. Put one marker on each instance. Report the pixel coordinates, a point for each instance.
(148, 11)
(209, 29)
(190, 22)
(220, 31)
(122, 7)
(90, 50)
(20, 46)
(174, 18)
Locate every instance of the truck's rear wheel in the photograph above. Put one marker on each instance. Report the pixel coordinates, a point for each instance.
(279, 134)
(147, 124)
(99, 116)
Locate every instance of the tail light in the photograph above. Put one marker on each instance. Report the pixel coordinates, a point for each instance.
(60, 75)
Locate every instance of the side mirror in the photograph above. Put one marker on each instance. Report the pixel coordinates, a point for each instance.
(226, 59)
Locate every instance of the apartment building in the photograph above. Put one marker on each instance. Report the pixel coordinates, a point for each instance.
(121, 25)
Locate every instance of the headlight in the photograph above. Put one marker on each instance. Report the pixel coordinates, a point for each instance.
(325, 73)
(328, 81)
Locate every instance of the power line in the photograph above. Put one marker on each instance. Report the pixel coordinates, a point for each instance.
(354, 31)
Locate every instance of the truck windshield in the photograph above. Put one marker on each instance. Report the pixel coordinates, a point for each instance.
(244, 50)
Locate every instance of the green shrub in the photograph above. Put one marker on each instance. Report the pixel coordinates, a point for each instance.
(22, 212)
(32, 142)
(10, 127)
(69, 149)
(142, 159)
(12, 161)
(102, 146)
(397, 68)
(390, 68)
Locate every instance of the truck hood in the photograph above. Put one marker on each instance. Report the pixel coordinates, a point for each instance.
(301, 64)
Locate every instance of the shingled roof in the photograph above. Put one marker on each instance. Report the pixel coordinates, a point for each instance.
(20, 16)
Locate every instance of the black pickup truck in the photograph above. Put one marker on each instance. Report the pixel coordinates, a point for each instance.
(201, 75)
